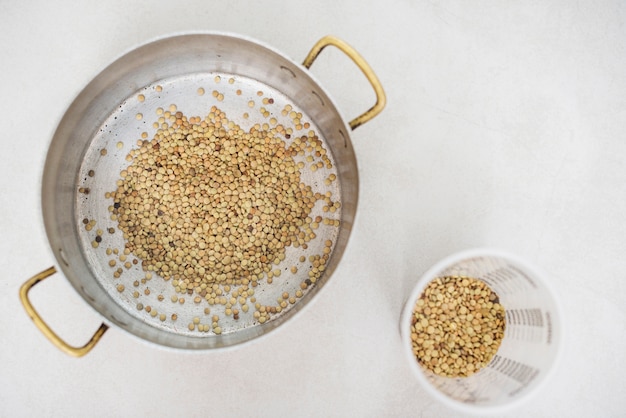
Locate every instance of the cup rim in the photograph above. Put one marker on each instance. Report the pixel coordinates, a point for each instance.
(417, 290)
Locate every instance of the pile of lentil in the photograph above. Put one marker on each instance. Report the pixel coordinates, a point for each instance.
(457, 326)
(213, 208)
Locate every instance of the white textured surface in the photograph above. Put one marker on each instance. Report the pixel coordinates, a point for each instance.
(505, 127)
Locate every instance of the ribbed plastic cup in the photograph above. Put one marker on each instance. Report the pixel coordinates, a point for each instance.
(532, 338)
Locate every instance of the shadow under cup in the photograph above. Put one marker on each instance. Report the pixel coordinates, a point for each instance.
(532, 336)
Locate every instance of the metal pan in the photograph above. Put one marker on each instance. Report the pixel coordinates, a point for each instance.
(254, 85)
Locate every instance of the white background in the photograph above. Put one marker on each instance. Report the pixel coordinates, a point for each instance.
(505, 127)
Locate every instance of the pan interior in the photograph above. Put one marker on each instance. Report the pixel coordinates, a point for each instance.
(154, 301)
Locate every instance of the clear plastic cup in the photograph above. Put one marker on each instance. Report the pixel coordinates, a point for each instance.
(532, 337)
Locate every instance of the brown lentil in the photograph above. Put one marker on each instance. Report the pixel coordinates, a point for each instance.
(457, 326)
(244, 175)
(181, 217)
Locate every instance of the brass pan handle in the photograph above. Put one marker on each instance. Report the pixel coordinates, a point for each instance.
(381, 99)
(43, 327)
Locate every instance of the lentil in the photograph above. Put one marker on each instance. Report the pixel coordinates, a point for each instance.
(256, 166)
(210, 206)
(457, 326)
